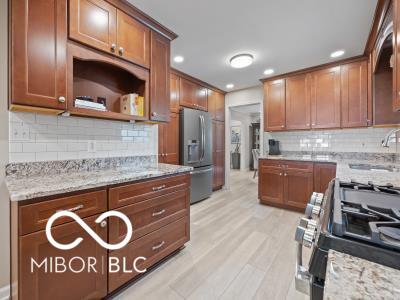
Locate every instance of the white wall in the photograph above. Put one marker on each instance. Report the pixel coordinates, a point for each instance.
(254, 95)
(4, 203)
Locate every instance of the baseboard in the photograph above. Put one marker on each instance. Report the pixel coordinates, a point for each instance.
(5, 293)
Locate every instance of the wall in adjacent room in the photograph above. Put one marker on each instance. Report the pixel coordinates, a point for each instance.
(38, 137)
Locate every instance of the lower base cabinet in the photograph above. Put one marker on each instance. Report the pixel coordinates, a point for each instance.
(289, 184)
(159, 213)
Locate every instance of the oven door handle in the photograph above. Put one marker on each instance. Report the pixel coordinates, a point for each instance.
(302, 276)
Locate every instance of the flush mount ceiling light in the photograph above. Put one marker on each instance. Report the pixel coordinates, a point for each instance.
(269, 71)
(241, 61)
(230, 86)
(178, 59)
(337, 53)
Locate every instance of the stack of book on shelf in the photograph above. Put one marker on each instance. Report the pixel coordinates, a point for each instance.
(89, 105)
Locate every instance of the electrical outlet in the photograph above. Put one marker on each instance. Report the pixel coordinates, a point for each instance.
(91, 146)
(20, 133)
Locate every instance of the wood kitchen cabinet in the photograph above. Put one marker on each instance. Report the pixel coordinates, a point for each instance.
(216, 105)
(274, 108)
(98, 24)
(159, 78)
(41, 285)
(174, 93)
(396, 52)
(325, 98)
(298, 102)
(218, 154)
(270, 185)
(168, 141)
(192, 95)
(323, 174)
(354, 94)
(298, 187)
(38, 54)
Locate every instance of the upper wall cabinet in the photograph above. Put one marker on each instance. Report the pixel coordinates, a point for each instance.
(216, 105)
(325, 98)
(100, 25)
(298, 111)
(274, 108)
(159, 78)
(174, 93)
(192, 95)
(396, 67)
(354, 94)
(38, 55)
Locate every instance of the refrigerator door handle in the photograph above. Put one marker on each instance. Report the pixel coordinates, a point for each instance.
(201, 171)
(203, 138)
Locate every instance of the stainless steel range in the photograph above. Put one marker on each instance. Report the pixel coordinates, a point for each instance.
(362, 220)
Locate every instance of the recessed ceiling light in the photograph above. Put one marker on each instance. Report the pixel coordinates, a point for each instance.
(230, 86)
(178, 59)
(337, 53)
(241, 61)
(269, 71)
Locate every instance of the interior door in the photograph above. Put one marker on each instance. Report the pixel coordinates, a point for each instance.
(325, 98)
(298, 104)
(274, 105)
(38, 53)
(133, 40)
(93, 22)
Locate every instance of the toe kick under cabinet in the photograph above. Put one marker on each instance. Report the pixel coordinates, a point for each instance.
(289, 184)
(157, 208)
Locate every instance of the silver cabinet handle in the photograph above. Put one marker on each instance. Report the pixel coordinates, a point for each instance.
(158, 246)
(113, 47)
(285, 174)
(280, 174)
(72, 209)
(283, 126)
(158, 213)
(121, 50)
(61, 99)
(103, 224)
(157, 188)
(313, 124)
(154, 114)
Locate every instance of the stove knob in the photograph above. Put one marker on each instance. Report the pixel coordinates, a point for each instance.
(308, 223)
(319, 199)
(313, 198)
(312, 211)
(299, 234)
(308, 237)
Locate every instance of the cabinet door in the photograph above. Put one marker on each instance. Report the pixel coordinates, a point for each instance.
(174, 93)
(41, 285)
(212, 103)
(274, 105)
(159, 78)
(161, 141)
(323, 174)
(298, 103)
(93, 22)
(171, 140)
(188, 95)
(298, 188)
(396, 68)
(325, 98)
(216, 105)
(133, 41)
(354, 91)
(38, 53)
(270, 185)
(201, 98)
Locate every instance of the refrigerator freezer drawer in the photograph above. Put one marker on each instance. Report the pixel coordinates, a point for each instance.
(201, 183)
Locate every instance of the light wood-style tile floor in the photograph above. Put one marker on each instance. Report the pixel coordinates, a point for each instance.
(239, 249)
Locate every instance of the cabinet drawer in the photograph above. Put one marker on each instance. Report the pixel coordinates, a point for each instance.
(154, 247)
(136, 192)
(149, 215)
(271, 163)
(34, 216)
(298, 165)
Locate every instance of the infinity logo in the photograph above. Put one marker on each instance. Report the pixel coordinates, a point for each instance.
(89, 230)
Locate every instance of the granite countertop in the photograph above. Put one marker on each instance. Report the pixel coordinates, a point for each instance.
(343, 170)
(31, 186)
(350, 277)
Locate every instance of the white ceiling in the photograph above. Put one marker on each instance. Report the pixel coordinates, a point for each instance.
(285, 35)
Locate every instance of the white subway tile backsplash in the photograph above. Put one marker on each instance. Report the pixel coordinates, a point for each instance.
(35, 137)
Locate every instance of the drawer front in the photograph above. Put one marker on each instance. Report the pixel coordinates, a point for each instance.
(154, 247)
(35, 216)
(271, 163)
(141, 191)
(298, 165)
(149, 215)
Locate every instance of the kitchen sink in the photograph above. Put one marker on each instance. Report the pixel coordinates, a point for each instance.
(368, 167)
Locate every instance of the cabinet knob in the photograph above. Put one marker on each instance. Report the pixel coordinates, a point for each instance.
(308, 124)
(282, 126)
(61, 99)
(313, 124)
(121, 50)
(280, 174)
(285, 174)
(154, 114)
(113, 47)
(103, 224)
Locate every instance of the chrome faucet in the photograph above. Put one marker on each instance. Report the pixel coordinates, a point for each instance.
(385, 141)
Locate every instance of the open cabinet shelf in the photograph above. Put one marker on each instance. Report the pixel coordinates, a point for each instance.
(94, 74)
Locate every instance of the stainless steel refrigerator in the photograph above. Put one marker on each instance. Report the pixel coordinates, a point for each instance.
(196, 151)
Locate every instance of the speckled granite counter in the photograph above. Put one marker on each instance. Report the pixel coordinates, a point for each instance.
(349, 277)
(28, 181)
(345, 173)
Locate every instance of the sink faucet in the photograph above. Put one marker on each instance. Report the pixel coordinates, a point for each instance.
(385, 141)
